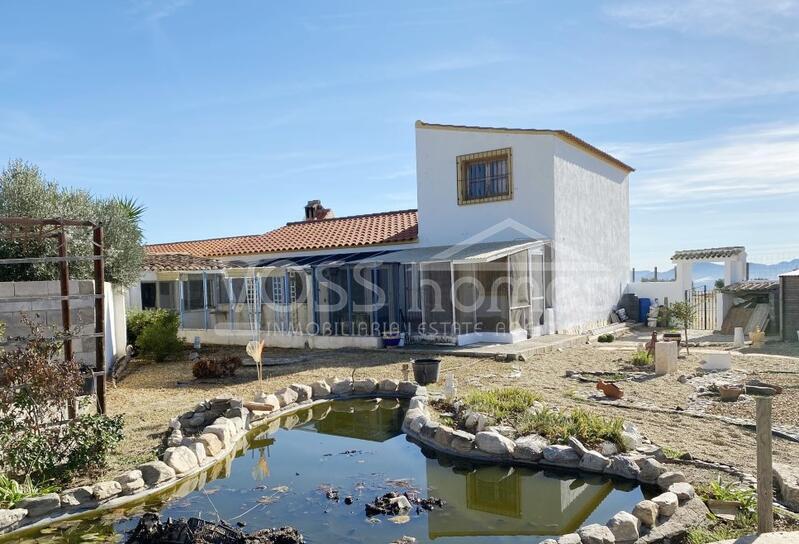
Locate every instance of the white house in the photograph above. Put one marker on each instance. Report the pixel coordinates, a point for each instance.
(518, 232)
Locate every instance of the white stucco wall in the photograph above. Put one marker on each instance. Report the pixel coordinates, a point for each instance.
(443, 221)
(591, 241)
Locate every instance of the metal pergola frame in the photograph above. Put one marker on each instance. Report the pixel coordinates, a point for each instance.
(27, 228)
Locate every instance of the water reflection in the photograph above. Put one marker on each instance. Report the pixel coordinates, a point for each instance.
(279, 476)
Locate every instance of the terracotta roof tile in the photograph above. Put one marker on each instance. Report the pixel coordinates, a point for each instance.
(709, 253)
(158, 262)
(339, 232)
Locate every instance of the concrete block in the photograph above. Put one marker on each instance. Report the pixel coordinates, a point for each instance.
(30, 288)
(738, 339)
(85, 287)
(6, 289)
(717, 360)
(665, 357)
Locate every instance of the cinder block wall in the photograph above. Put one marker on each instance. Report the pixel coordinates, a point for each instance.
(19, 298)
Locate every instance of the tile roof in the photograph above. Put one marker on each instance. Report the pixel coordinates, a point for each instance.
(160, 262)
(751, 285)
(339, 232)
(709, 253)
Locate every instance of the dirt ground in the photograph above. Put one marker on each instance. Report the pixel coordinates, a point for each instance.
(154, 392)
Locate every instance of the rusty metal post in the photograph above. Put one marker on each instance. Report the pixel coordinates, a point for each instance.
(99, 316)
(63, 277)
(765, 483)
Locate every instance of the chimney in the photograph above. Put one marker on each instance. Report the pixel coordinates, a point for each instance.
(315, 211)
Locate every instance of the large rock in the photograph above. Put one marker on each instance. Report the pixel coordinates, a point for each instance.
(417, 423)
(443, 436)
(651, 470)
(182, 459)
(211, 443)
(624, 527)
(462, 441)
(10, 519)
(41, 505)
(683, 490)
(786, 479)
(156, 472)
(388, 386)
(630, 437)
(407, 388)
(646, 512)
(270, 399)
(476, 422)
(608, 448)
(367, 385)
(667, 503)
(320, 389)
(129, 476)
(419, 403)
(106, 490)
(666, 479)
(286, 396)
(341, 387)
(692, 515)
(494, 443)
(623, 467)
(222, 432)
(596, 534)
(530, 447)
(429, 429)
(561, 456)
(304, 392)
(577, 446)
(571, 538)
(77, 496)
(133, 486)
(199, 452)
(593, 461)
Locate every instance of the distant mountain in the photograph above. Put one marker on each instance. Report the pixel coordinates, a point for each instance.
(708, 273)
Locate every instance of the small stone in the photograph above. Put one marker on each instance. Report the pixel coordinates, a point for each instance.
(666, 479)
(505, 430)
(561, 455)
(128, 476)
(494, 443)
(630, 437)
(530, 447)
(320, 389)
(388, 386)
(402, 502)
(667, 503)
(198, 448)
(549, 541)
(593, 461)
(286, 396)
(577, 446)
(175, 439)
(341, 387)
(646, 512)
(683, 490)
(174, 423)
(76, 496)
(304, 392)
(156, 472)
(106, 490)
(462, 442)
(624, 527)
(236, 402)
(406, 388)
(10, 519)
(608, 448)
(182, 459)
(222, 432)
(476, 422)
(623, 467)
(682, 378)
(596, 534)
(41, 505)
(129, 488)
(367, 385)
(571, 538)
(211, 443)
(417, 423)
(418, 403)
(651, 470)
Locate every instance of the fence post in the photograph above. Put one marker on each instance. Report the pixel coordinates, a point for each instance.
(656, 273)
(765, 485)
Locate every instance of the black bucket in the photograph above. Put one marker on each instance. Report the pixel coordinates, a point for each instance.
(425, 371)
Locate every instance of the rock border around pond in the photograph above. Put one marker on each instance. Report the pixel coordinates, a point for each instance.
(199, 439)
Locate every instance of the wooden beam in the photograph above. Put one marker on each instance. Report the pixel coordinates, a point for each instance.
(765, 483)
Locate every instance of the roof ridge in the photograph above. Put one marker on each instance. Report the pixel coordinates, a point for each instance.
(205, 239)
(373, 214)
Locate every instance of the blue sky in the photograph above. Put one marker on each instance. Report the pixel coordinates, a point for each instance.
(224, 118)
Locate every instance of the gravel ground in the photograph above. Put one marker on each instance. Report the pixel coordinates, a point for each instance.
(155, 392)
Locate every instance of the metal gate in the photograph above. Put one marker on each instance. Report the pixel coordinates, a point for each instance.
(703, 302)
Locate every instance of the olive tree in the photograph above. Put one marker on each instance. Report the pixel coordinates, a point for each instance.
(684, 313)
(26, 192)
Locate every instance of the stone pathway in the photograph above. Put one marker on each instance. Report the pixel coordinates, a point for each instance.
(767, 538)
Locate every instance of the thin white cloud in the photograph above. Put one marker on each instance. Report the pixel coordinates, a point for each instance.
(753, 20)
(751, 162)
(155, 10)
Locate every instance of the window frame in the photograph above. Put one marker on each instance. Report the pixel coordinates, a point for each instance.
(463, 162)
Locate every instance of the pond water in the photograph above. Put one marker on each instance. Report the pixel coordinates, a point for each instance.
(281, 476)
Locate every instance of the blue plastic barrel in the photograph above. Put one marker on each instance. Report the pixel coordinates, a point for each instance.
(643, 308)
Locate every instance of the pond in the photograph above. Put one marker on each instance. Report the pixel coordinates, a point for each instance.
(282, 474)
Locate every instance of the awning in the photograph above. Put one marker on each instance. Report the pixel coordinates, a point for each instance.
(459, 253)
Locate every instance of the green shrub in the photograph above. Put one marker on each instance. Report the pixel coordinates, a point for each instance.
(605, 338)
(642, 358)
(557, 427)
(155, 333)
(12, 491)
(504, 405)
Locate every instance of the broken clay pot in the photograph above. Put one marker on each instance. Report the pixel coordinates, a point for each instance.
(610, 390)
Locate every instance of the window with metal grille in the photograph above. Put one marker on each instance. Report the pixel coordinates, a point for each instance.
(485, 176)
